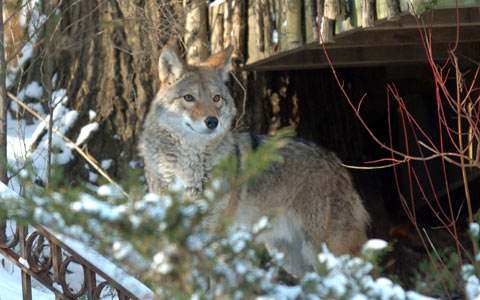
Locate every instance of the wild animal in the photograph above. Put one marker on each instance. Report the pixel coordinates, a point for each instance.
(188, 131)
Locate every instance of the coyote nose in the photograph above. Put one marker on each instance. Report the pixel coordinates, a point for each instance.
(211, 122)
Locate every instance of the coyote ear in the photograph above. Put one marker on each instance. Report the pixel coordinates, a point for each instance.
(170, 65)
(221, 62)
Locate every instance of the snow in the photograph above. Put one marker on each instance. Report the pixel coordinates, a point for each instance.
(90, 204)
(11, 287)
(260, 225)
(24, 262)
(92, 177)
(91, 115)
(34, 90)
(474, 229)
(375, 245)
(216, 2)
(275, 36)
(86, 132)
(106, 163)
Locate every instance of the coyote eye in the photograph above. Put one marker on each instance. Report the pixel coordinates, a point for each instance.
(216, 98)
(188, 98)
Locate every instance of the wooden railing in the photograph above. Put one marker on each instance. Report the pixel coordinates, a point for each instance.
(51, 270)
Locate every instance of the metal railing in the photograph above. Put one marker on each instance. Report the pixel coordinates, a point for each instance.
(52, 271)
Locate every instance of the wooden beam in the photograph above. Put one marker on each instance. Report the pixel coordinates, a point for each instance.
(366, 57)
(445, 17)
(375, 41)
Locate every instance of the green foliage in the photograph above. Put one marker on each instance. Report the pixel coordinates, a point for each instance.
(432, 277)
(178, 249)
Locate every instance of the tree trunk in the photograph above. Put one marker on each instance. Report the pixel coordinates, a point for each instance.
(106, 58)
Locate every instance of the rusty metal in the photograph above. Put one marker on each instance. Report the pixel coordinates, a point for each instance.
(31, 256)
(63, 279)
(14, 241)
(57, 265)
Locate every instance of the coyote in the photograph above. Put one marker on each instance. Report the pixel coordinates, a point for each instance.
(188, 131)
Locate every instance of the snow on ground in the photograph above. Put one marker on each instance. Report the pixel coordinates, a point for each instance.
(11, 286)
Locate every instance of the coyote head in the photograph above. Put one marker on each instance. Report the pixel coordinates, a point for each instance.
(193, 101)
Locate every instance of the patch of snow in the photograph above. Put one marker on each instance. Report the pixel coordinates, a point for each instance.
(106, 164)
(216, 2)
(474, 229)
(91, 115)
(11, 287)
(133, 164)
(86, 132)
(54, 79)
(26, 54)
(260, 225)
(275, 36)
(34, 90)
(161, 263)
(92, 176)
(89, 204)
(110, 190)
(375, 245)
(24, 262)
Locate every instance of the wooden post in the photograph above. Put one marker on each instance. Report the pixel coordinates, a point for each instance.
(216, 39)
(26, 280)
(196, 39)
(227, 24)
(91, 284)
(393, 10)
(259, 28)
(239, 24)
(368, 13)
(326, 30)
(335, 9)
(294, 24)
(267, 24)
(311, 16)
(56, 253)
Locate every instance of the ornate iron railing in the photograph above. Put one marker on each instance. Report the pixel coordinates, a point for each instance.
(25, 251)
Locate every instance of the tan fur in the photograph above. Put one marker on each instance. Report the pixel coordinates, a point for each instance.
(310, 194)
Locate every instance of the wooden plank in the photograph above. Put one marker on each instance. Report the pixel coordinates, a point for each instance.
(368, 13)
(369, 38)
(215, 15)
(293, 24)
(381, 7)
(440, 18)
(253, 53)
(91, 284)
(56, 253)
(461, 3)
(361, 57)
(308, 9)
(352, 22)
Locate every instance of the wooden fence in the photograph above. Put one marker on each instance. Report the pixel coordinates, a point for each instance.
(265, 28)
